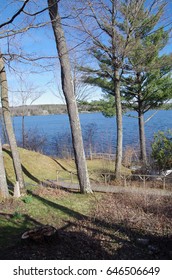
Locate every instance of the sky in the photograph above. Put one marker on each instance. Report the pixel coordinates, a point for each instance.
(41, 75)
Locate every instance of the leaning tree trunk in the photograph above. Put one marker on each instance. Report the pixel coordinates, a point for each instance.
(118, 161)
(68, 91)
(8, 124)
(3, 182)
(143, 155)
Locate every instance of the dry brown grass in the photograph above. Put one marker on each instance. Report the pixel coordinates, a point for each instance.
(142, 212)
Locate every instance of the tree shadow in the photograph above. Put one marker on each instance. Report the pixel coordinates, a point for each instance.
(26, 172)
(157, 248)
(65, 245)
(64, 209)
(59, 164)
(72, 243)
(84, 238)
(10, 234)
(35, 179)
(25, 219)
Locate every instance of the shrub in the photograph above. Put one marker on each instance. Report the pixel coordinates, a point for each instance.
(27, 199)
(130, 156)
(62, 145)
(162, 150)
(17, 216)
(33, 140)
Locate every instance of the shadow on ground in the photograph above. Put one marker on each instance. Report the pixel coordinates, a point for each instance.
(86, 238)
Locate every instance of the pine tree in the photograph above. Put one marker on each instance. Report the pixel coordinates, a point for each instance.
(144, 81)
(150, 84)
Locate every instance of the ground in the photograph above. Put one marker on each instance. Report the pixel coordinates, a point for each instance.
(103, 226)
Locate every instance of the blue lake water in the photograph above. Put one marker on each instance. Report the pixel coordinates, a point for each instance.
(101, 129)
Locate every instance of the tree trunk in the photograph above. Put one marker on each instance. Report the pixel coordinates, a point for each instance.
(23, 131)
(8, 124)
(118, 161)
(142, 139)
(68, 91)
(3, 182)
(4, 132)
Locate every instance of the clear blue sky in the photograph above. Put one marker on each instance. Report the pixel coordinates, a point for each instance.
(39, 42)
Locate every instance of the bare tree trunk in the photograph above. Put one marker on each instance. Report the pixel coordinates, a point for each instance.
(3, 182)
(142, 138)
(23, 131)
(68, 91)
(117, 93)
(8, 124)
(118, 161)
(143, 155)
(4, 133)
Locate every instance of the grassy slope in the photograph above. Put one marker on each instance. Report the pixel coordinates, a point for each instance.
(36, 166)
(41, 167)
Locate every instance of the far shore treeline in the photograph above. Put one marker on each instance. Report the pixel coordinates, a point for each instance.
(53, 109)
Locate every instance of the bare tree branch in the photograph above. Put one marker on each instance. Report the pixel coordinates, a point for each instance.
(11, 32)
(15, 15)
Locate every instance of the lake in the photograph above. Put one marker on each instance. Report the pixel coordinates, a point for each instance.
(97, 129)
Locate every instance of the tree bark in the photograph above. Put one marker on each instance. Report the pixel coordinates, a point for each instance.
(143, 155)
(8, 124)
(23, 131)
(118, 161)
(68, 91)
(142, 139)
(3, 182)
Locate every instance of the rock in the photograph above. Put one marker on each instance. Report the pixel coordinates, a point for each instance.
(39, 233)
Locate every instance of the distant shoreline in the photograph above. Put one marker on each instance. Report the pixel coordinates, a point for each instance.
(56, 109)
(45, 110)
